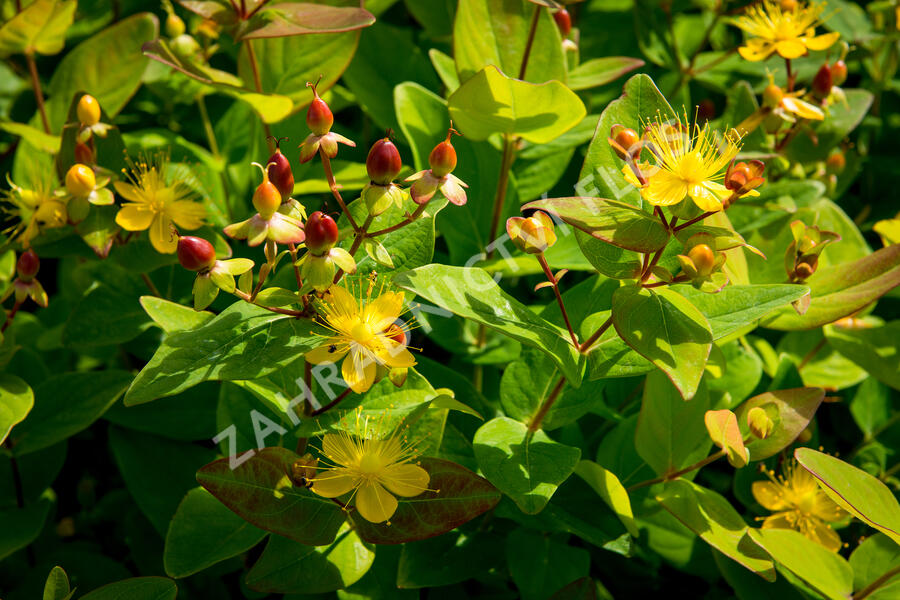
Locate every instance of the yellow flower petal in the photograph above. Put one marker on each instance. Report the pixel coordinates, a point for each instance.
(383, 310)
(374, 503)
(405, 480)
(161, 235)
(187, 214)
(756, 52)
(769, 495)
(334, 483)
(780, 520)
(324, 354)
(802, 109)
(395, 354)
(704, 197)
(790, 48)
(358, 371)
(821, 533)
(822, 42)
(665, 189)
(128, 191)
(343, 301)
(134, 217)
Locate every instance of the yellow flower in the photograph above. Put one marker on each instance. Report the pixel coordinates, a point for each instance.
(38, 208)
(690, 161)
(798, 503)
(155, 204)
(362, 331)
(788, 31)
(374, 469)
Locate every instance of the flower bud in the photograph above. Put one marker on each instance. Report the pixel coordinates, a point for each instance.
(806, 266)
(836, 162)
(303, 470)
(195, 254)
(822, 82)
(174, 25)
(563, 21)
(84, 154)
(383, 162)
(838, 72)
(88, 110)
(28, 265)
(279, 171)
(533, 234)
(625, 136)
(743, 177)
(319, 117)
(788, 5)
(266, 198)
(443, 158)
(80, 180)
(321, 233)
(703, 258)
(772, 96)
(761, 426)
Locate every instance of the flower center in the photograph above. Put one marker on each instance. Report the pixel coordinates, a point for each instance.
(690, 168)
(362, 333)
(369, 465)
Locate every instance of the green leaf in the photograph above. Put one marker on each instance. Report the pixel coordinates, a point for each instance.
(448, 559)
(871, 406)
(791, 411)
(540, 565)
(242, 342)
(527, 466)
(34, 136)
(826, 571)
(842, 118)
(99, 228)
(495, 32)
(158, 471)
(843, 289)
(66, 404)
(286, 566)
(600, 71)
(601, 175)
(21, 526)
(874, 349)
(109, 66)
(462, 496)
(39, 28)
(710, 516)
(204, 532)
(666, 329)
(664, 447)
(57, 585)
(739, 306)
(138, 588)
(304, 18)
(173, 317)
(260, 491)
(473, 294)
(857, 492)
(491, 102)
(611, 490)
(875, 556)
(104, 316)
(616, 223)
(18, 399)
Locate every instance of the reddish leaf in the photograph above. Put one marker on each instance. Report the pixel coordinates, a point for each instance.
(794, 407)
(282, 20)
(463, 496)
(260, 491)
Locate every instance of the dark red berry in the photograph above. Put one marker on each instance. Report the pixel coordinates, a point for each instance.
(383, 163)
(28, 265)
(84, 154)
(396, 333)
(195, 254)
(563, 21)
(279, 170)
(823, 81)
(321, 233)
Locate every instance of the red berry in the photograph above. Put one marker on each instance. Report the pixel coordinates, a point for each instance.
(625, 136)
(28, 265)
(839, 72)
(563, 21)
(321, 233)
(84, 154)
(279, 170)
(319, 117)
(195, 254)
(396, 333)
(383, 163)
(443, 158)
(823, 81)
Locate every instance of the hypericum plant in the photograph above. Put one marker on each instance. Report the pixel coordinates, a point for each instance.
(394, 401)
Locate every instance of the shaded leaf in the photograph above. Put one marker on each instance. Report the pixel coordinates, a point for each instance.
(600, 71)
(611, 490)
(18, 399)
(138, 588)
(790, 410)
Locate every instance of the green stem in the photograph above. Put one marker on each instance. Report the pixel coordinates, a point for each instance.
(257, 81)
(409, 219)
(10, 316)
(38, 92)
(677, 474)
(509, 155)
(535, 18)
(214, 148)
(361, 235)
(329, 175)
(281, 311)
(692, 221)
(866, 591)
(559, 300)
(150, 285)
(331, 404)
(595, 336)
